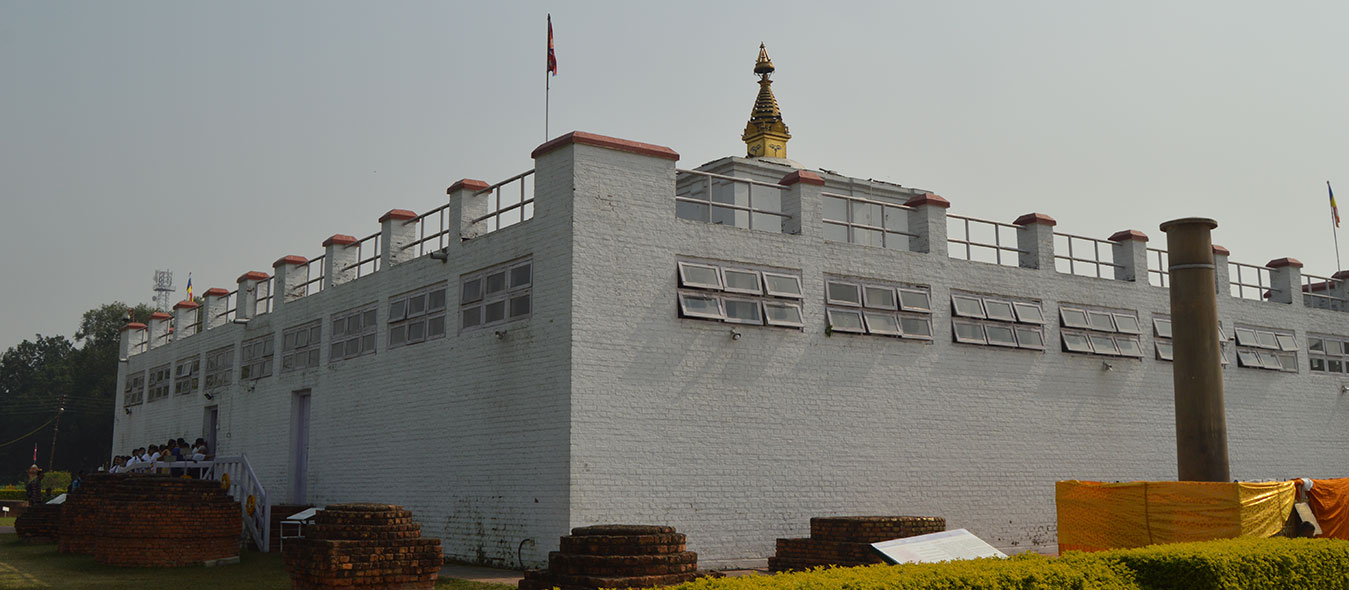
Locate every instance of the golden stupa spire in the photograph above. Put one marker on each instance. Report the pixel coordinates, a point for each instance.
(765, 134)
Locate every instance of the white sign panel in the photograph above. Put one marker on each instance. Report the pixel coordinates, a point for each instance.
(943, 546)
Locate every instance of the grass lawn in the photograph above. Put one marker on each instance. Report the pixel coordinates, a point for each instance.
(41, 566)
(7, 521)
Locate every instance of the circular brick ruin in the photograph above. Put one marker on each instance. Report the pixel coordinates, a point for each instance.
(39, 524)
(846, 540)
(162, 521)
(81, 514)
(616, 556)
(363, 546)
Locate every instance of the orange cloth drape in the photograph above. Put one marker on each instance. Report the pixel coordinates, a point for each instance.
(1329, 499)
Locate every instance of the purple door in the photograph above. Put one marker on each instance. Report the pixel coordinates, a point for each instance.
(299, 437)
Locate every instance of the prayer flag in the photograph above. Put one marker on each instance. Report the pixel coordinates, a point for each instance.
(1334, 211)
(189, 286)
(552, 57)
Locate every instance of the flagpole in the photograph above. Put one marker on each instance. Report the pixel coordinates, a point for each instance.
(547, 83)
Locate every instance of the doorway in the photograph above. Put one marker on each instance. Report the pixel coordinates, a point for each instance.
(299, 447)
(210, 422)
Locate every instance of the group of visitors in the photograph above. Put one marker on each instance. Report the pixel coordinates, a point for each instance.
(174, 450)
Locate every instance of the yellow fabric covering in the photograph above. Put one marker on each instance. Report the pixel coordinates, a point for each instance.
(1095, 516)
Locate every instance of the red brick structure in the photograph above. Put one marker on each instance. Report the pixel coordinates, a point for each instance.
(616, 556)
(363, 546)
(846, 540)
(80, 516)
(281, 512)
(162, 521)
(39, 524)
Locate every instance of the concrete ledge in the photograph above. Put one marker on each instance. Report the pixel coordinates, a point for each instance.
(467, 183)
(339, 240)
(284, 260)
(803, 177)
(1282, 262)
(397, 214)
(928, 199)
(1128, 234)
(1031, 218)
(604, 141)
(252, 275)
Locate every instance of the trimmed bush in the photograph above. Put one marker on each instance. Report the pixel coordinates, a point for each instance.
(20, 494)
(1027, 571)
(1249, 564)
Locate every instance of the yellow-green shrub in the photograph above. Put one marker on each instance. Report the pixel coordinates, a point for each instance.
(1023, 572)
(1249, 564)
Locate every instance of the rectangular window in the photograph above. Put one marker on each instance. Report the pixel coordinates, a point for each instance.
(1325, 354)
(915, 326)
(1127, 324)
(1028, 313)
(300, 347)
(743, 311)
(699, 276)
(352, 333)
(1129, 346)
(885, 324)
(1164, 350)
(780, 285)
(219, 367)
(1111, 333)
(1161, 328)
(418, 316)
(186, 376)
(1270, 349)
(876, 297)
(1000, 335)
(1076, 342)
(507, 296)
(783, 314)
(846, 320)
(999, 310)
(1247, 337)
(1101, 321)
(1286, 342)
(915, 300)
(1074, 318)
(255, 358)
(1030, 337)
(967, 306)
(134, 392)
(1103, 344)
(968, 332)
(839, 293)
(158, 387)
(696, 305)
(742, 281)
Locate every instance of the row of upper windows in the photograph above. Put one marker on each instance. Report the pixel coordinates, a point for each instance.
(489, 297)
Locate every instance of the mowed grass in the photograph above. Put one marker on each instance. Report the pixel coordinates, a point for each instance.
(42, 567)
(7, 521)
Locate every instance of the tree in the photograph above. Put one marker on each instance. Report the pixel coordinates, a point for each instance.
(36, 375)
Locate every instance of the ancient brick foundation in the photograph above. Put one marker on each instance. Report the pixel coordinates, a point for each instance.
(846, 540)
(363, 546)
(39, 524)
(616, 556)
(162, 521)
(80, 515)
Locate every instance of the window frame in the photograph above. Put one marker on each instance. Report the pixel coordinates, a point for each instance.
(758, 281)
(684, 276)
(851, 312)
(956, 311)
(424, 317)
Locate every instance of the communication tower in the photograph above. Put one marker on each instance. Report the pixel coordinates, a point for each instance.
(163, 289)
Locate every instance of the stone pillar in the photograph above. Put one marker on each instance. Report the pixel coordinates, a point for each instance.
(927, 221)
(185, 319)
(1339, 289)
(1285, 280)
(133, 340)
(1197, 373)
(465, 206)
(1131, 255)
(246, 299)
(395, 233)
(339, 252)
(213, 306)
(801, 201)
(1221, 272)
(1035, 240)
(161, 329)
(290, 274)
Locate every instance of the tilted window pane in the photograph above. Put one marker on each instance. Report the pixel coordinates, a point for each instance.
(782, 314)
(398, 335)
(1102, 321)
(1318, 364)
(520, 305)
(1335, 366)
(521, 275)
(843, 293)
(1074, 318)
(1129, 346)
(879, 297)
(997, 309)
(699, 276)
(1075, 342)
(436, 300)
(1286, 342)
(969, 332)
(1247, 358)
(1103, 344)
(1028, 337)
(700, 306)
(846, 320)
(966, 306)
(1247, 337)
(494, 311)
(1028, 313)
(1164, 350)
(914, 300)
(398, 309)
(416, 305)
(471, 317)
(1127, 324)
(1000, 335)
(741, 311)
(782, 285)
(1268, 360)
(883, 323)
(916, 327)
(1314, 345)
(472, 291)
(496, 282)
(1267, 339)
(1288, 360)
(1162, 328)
(742, 281)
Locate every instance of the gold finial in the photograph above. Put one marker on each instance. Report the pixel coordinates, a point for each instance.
(765, 134)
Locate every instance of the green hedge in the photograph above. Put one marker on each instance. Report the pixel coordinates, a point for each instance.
(1027, 571)
(1246, 564)
(1249, 564)
(13, 493)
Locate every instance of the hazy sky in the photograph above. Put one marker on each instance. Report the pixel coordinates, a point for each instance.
(216, 138)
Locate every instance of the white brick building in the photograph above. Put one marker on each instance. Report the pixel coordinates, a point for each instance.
(586, 384)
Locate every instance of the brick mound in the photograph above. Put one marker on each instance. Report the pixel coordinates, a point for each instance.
(39, 524)
(616, 556)
(80, 515)
(846, 540)
(358, 546)
(162, 521)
